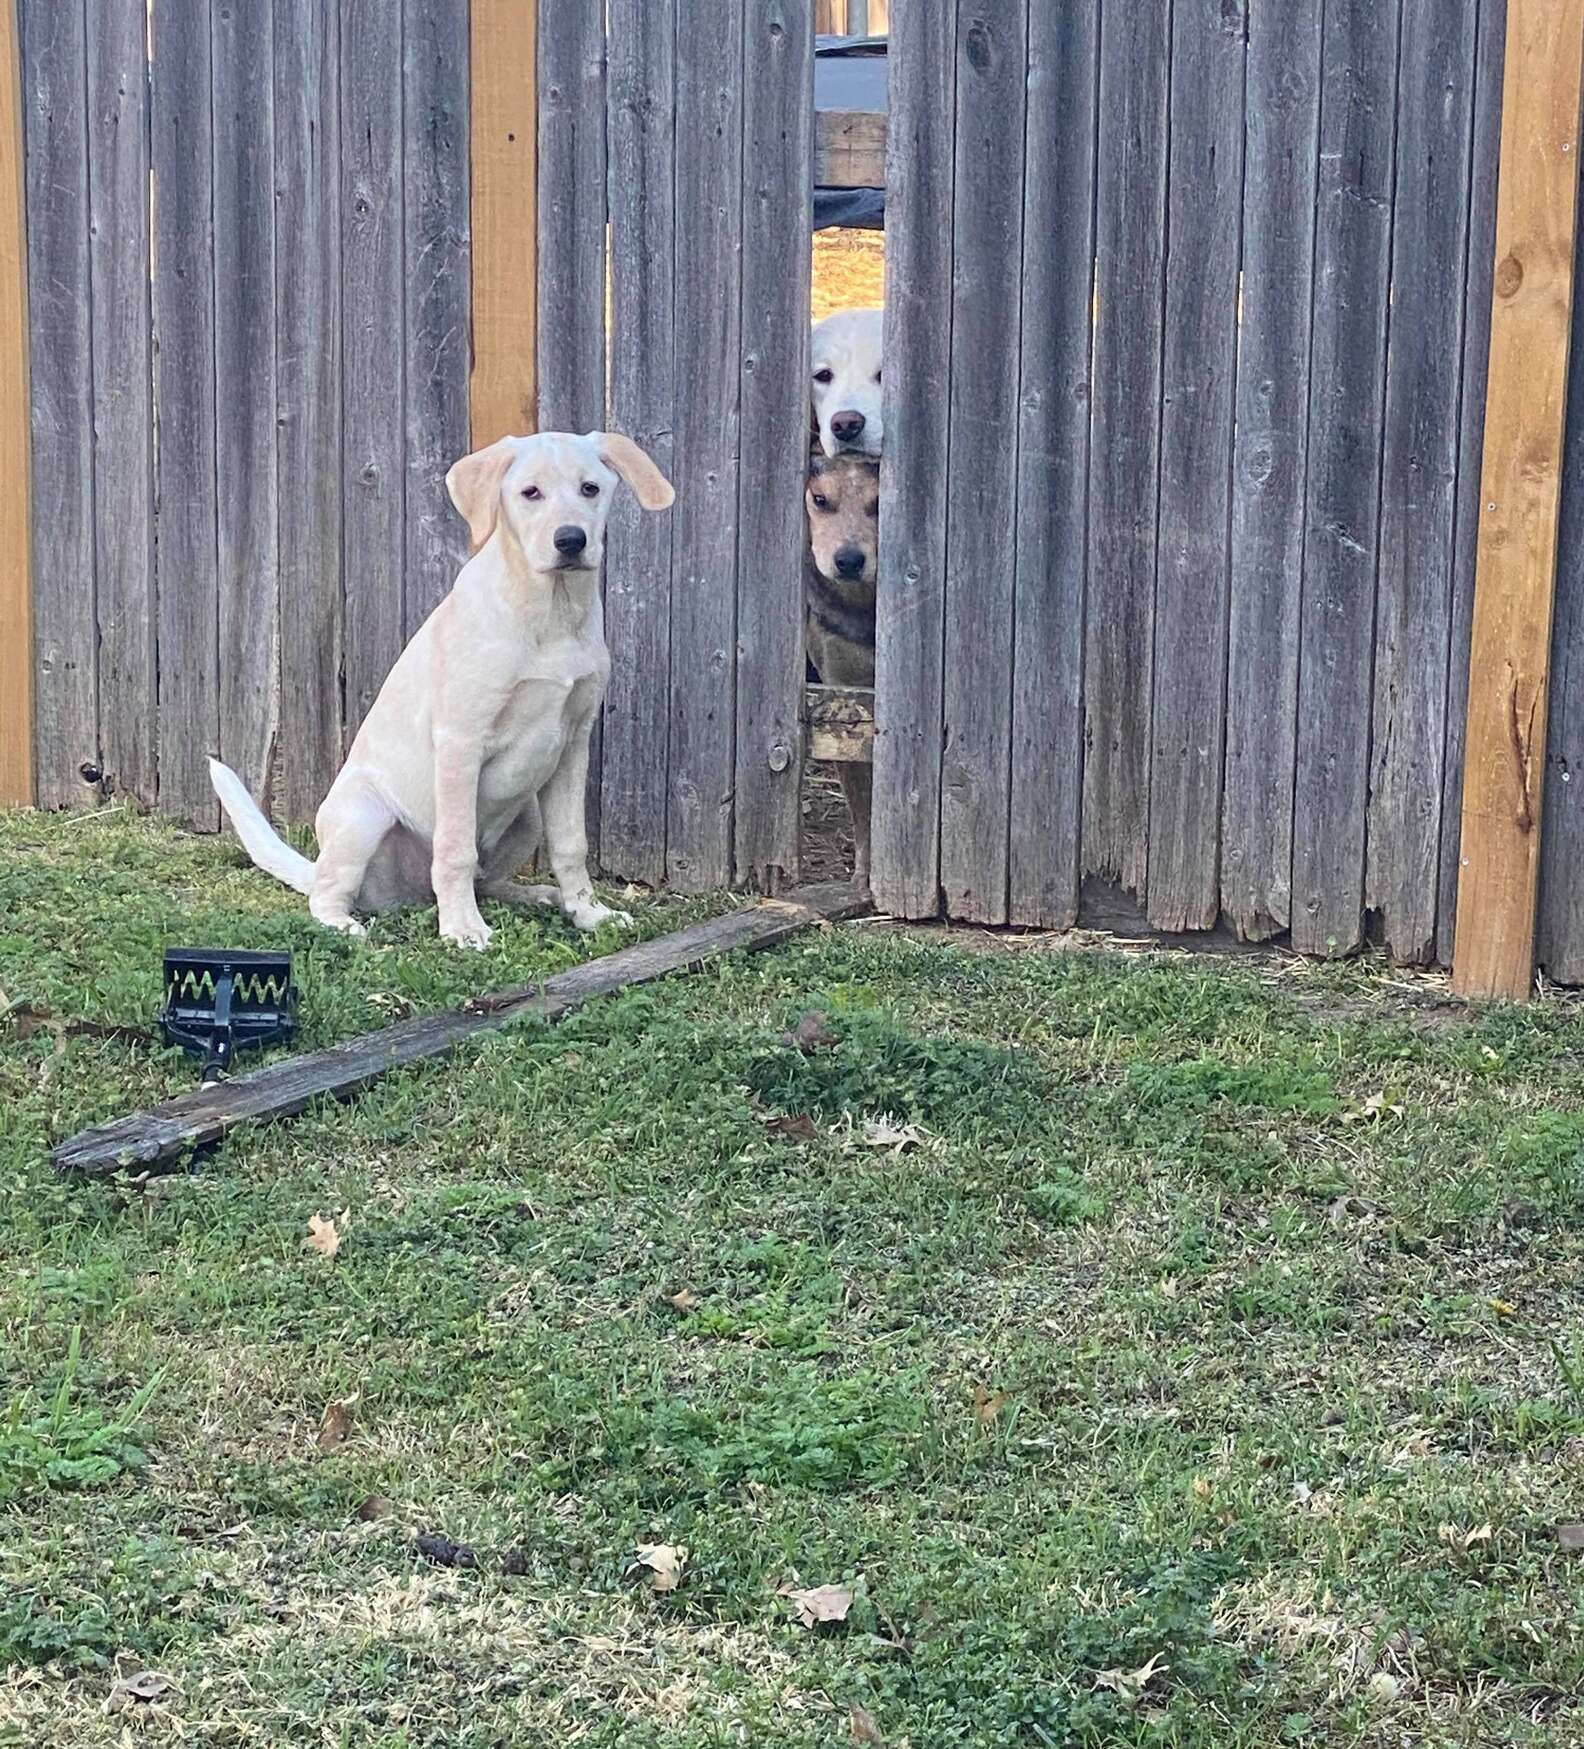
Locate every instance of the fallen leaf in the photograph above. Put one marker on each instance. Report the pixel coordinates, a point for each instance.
(1130, 1684)
(1203, 1488)
(439, 1549)
(143, 1689)
(986, 1406)
(665, 1562)
(886, 1132)
(795, 1129)
(823, 1603)
(376, 1506)
(1349, 1208)
(864, 1728)
(1464, 1540)
(1570, 1538)
(1384, 1687)
(336, 1428)
(322, 1236)
(684, 1300)
(1503, 1308)
(812, 1033)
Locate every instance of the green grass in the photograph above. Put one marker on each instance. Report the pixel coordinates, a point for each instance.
(1162, 1351)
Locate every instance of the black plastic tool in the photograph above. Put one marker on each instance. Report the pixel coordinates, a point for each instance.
(219, 1002)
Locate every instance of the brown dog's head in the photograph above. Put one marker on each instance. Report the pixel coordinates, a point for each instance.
(843, 499)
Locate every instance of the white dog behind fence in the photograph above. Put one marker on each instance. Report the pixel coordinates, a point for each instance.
(847, 349)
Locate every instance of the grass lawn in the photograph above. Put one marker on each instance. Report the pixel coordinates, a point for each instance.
(1144, 1350)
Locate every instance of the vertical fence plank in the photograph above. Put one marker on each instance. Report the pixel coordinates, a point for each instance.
(373, 276)
(1270, 468)
(308, 397)
(1525, 411)
(123, 411)
(1124, 461)
(920, 158)
(245, 434)
(187, 565)
(435, 181)
(65, 626)
(1413, 616)
(1053, 466)
(1199, 372)
(703, 594)
(981, 553)
(1341, 548)
(777, 197)
(16, 574)
(642, 134)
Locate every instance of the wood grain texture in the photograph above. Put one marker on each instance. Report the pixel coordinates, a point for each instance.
(1525, 408)
(1414, 606)
(16, 532)
(504, 153)
(911, 597)
(435, 193)
(777, 208)
(981, 503)
(841, 724)
(1270, 468)
(1135, 57)
(1053, 467)
(1341, 542)
(849, 148)
(123, 396)
(373, 320)
(308, 355)
(709, 119)
(285, 1088)
(187, 558)
(641, 131)
(1199, 374)
(65, 624)
(245, 364)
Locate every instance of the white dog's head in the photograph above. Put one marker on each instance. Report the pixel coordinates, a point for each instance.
(846, 357)
(551, 493)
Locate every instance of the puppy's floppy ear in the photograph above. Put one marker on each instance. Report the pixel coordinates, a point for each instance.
(654, 491)
(474, 484)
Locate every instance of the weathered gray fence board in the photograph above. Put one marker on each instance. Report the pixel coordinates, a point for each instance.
(1053, 466)
(641, 134)
(1341, 548)
(920, 156)
(1199, 371)
(1124, 460)
(777, 200)
(245, 433)
(438, 299)
(308, 397)
(65, 628)
(187, 564)
(123, 411)
(1269, 468)
(981, 544)
(709, 129)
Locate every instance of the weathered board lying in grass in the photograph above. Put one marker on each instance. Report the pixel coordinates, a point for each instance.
(283, 1089)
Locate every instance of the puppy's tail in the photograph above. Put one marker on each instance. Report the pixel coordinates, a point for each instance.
(259, 839)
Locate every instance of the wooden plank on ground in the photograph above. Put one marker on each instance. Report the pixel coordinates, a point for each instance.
(245, 428)
(285, 1088)
(504, 154)
(435, 185)
(186, 555)
(1135, 55)
(641, 130)
(1525, 409)
(16, 531)
(1341, 545)
(1053, 468)
(1269, 468)
(849, 148)
(1199, 375)
(123, 396)
(981, 495)
(777, 198)
(1414, 607)
(308, 398)
(65, 623)
(841, 724)
(373, 278)
(709, 128)
(911, 605)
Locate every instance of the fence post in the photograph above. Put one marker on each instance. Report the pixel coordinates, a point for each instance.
(504, 389)
(16, 535)
(1515, 585)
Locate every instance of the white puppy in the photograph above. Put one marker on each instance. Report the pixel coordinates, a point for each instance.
(480, 735)
(846, 359)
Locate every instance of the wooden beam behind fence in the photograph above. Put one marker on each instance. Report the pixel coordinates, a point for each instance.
(1525, 410)
(16, 583)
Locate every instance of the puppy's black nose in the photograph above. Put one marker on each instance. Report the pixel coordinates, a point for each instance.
(850, 562)
(845, 427)
(570, 539)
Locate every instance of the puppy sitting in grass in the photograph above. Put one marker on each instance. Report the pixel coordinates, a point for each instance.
(843, 502)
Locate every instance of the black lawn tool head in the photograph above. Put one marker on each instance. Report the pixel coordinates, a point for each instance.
(218, 1003)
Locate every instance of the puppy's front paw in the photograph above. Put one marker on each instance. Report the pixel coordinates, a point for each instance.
(590, 915)
(471, 932)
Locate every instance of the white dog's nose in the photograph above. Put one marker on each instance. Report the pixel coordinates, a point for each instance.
(847, 426)
(570, 539)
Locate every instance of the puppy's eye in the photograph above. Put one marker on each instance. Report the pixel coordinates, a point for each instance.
(531, 493)
(824, 376)
(590, 490)
(821, 502)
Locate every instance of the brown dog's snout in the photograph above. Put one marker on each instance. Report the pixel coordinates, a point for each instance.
(848, 425)
(570, 540)
(850, 562)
